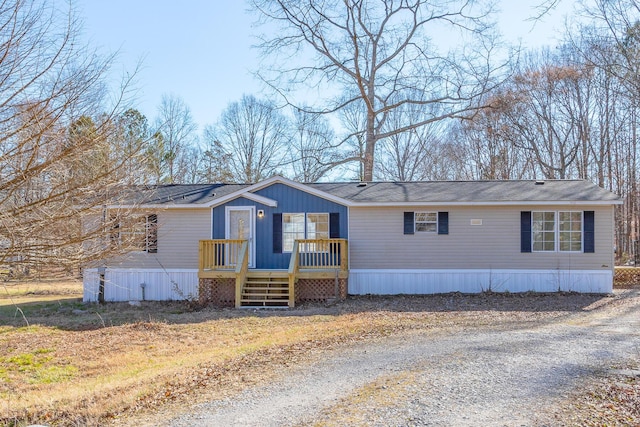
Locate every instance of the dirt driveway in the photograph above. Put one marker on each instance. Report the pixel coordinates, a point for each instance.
(521, 374)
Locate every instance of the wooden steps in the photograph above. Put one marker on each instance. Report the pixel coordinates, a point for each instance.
(266, 289)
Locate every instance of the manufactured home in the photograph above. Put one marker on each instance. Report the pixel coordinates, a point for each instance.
(278, 242)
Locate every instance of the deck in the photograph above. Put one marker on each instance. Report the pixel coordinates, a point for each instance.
(311, 259)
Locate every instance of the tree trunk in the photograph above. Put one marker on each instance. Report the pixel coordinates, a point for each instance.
(370, 148)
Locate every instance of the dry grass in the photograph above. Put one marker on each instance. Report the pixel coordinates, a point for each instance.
(611, 399)
(31, 292)
(76, 364)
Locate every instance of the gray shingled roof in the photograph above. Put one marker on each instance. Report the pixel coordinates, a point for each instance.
(468, 191)
(177, 194)
(391, 192)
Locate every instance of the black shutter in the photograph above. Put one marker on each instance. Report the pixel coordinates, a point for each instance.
(408, 223)
(443, 222)
(589, 232)
(152, 234)
(334, 225)
(277, 233)
(114, 236)
(525, 231)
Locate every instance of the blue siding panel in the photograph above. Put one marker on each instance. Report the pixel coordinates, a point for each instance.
(290, 200)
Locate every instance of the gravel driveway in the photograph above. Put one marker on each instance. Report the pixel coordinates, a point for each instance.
(514, 376)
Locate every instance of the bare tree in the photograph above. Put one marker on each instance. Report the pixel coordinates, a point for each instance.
(131, 139)
(216, 162)
(410, 155)
(539, 113)
(312, 149)
(353, 120)
(254, 133)
(176, 131)
(385, 55)
(53, 133)
(489, 151)
(613, 46)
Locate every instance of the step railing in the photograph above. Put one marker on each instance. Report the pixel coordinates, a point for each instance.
(293, 272)
(242, 267)
(307, 254)
(220, 254)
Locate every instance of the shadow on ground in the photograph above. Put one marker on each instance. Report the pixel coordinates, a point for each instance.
(72, 314)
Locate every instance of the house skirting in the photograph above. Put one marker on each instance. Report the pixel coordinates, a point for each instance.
(125, 284)
(219, 292)
(321, 290)
(421, 282)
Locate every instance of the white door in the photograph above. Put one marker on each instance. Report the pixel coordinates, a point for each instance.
(240, 224)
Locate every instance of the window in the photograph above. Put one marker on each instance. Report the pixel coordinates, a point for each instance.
(318, 226)
(292, 229)
(544, 235)
(426, 221)
(301, 226)
(570, 231)
(553, 231)
(136, 233)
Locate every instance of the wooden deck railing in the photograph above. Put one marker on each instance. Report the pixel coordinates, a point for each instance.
(293, 272)
(310, 259)
(322, 254)
(219, 254)
(316, 255)
(242, 267)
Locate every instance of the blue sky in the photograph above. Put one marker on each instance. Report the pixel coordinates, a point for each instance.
(200, 50)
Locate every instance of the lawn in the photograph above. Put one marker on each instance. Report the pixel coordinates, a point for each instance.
(63, 362)
(32, 292)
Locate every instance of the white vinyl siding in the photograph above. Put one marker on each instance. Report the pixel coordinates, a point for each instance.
(376, 240)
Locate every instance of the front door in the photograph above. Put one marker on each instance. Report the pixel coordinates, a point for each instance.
(240, 224)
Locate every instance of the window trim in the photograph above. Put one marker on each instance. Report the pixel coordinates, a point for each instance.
(556, 232)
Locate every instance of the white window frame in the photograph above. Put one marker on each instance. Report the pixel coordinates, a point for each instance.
(426, 222)
(556, 232)
(305, 231)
